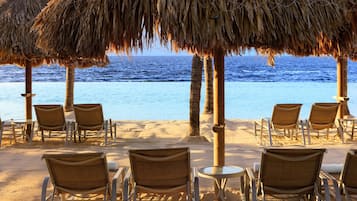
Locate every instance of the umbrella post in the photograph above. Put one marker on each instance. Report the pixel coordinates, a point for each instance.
(218, 110)
(342, 95)
(28, 99)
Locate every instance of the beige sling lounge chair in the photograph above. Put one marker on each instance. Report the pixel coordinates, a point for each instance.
(285, 120)
(160, 171)
(82, 175)
(346, 185)
(89, 117)
(287, 174)
(51, 118)
(322, 117)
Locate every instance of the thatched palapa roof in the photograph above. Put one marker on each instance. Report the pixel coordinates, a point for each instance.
(87, 28)
(18, 43)
(300, 27)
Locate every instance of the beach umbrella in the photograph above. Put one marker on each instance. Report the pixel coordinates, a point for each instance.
(215, 27)
(17, 44)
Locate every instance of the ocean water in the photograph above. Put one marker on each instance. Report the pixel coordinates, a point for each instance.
(158, 88)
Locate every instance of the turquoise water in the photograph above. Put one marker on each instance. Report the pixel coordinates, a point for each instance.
(170, 100)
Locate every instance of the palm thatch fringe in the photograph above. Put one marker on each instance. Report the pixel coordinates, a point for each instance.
(300, 27)
(87, 28)
(17, 45)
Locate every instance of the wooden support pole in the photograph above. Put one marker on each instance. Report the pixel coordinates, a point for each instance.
(28, 99)
(342, 95)
(68, 104)
(218, 108)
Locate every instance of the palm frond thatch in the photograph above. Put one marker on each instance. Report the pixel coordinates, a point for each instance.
(300, 27)
(87, 28)
(17, 45)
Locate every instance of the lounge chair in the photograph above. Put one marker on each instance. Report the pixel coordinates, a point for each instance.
(89, 117)
(287, 174)
(51, 118)
(322, 117)
(284, 120)
(346, 183)
(83, 175)
(13, 130)
(160, 171)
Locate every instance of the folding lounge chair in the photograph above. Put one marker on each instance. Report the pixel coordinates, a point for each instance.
(287, 174)
(51, 118)
(89, 117)
(160, 171)
(322, 117)
(285, 119)
(346, 184)
(82, 175)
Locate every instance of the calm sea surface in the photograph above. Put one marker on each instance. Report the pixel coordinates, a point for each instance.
(139, 88)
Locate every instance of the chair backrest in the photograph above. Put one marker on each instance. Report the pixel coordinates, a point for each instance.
(78, 172)
(290, 170)
(50, 117)
(323, 115)
(89, 116)
(161, 169)
(349, 172)
(286, 116)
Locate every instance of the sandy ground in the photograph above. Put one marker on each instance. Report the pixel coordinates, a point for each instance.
(22, 170)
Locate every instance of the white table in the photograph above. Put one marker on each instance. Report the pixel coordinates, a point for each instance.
(221, 175)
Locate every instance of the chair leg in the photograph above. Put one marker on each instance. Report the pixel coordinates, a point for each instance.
(1, 130)
(106, 132)
(42, 137)
(270, 136)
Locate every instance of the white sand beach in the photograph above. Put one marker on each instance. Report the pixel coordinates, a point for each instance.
(22, 170)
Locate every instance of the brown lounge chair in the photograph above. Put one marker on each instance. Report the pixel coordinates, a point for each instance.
(346, 184)
(79, 175)
(160, 171)
(51, 118)
(287, 174)
(322, 117)
(89, 117)
(285, 120)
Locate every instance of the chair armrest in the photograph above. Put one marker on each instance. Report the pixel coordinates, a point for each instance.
(196, 187)
(250, 185)
(336, 190)
(120, 171)
(126, 185)
(44, 188)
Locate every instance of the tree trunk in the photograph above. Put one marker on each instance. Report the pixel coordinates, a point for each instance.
(195, 96)
(208, 107)
(68, 106)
